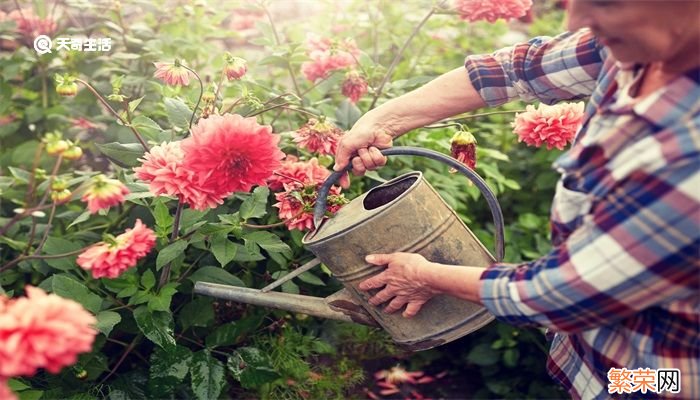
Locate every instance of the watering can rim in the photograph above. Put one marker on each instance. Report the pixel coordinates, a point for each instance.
(308, 237)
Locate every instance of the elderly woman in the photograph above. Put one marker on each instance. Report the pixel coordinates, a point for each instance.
(620, 285)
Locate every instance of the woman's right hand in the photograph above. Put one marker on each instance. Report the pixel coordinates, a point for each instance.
(360, 146)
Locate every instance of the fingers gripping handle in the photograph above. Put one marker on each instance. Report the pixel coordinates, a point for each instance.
(320, 208)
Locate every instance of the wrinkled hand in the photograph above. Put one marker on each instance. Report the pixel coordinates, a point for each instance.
(403, 281)
(360, 146)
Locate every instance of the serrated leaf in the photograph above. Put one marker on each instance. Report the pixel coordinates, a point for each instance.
(161, 301)
(168, 369)
(251, 367)
(161, 213)
(124, 155)
(215, 275)
(347, 114)
(157, 326)
(170, 252)
(148, 280)
(224, 335)
(178, 113)
(106, 320)
(255, 205)
(69, 288)
(207, 375)
(267, 240)
(147, 127)
(224, 250)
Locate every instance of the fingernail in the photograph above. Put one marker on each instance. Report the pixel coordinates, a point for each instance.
(370, 258)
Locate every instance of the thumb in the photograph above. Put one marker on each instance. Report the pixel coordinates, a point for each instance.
(379, 259)
(342, 156)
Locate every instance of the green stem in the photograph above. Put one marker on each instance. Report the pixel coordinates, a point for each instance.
(165, 273)
(116, 114)
(279, 42)
(398, 56)
(201, 92)
(42, 257)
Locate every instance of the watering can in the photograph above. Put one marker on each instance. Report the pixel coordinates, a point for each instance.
(404, 214)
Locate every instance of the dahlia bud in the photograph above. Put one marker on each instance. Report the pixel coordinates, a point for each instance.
(235, 67)
(208, 97)
(463, 148)
(59, 184)
(354, 86)
(61, 196)
(73, 153)
(66, 86)
(57, 147)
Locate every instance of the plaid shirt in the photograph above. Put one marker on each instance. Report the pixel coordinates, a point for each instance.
(620, 286)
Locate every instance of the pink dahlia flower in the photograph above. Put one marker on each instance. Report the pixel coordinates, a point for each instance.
(491, 10)
(318, 137)
(42, 331)
(229, 153)
(5, 392)
(354, 86)
(554, 125)
(327, 55)
(29, 25)
(162, 167)
(296, 205)
(463, 148)
(235, 68)
(104, 193)
(294, 171)
(172, 74)
(123, 252)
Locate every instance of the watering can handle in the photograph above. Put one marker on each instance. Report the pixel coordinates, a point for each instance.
(320, 208)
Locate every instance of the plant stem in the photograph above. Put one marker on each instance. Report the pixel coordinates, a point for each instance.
(46, 232)
(279, 42)
(42, 257)
(398, 56)
(19, 216)
(465, 117)
(165, 273)
(264, 110)
(116, 114)
(128, 350)
(235, 103)
(201, 92)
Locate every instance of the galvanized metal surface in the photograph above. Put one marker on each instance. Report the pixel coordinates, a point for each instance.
(405, 214)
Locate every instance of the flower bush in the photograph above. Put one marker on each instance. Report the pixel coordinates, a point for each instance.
(193, 150)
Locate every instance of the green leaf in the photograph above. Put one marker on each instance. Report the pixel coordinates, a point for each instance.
(168, 369)
(510, 357)
(106, 320)
(178, 113)
(20, 174)
(215, 275)
(161, 213)
(224, 250)
(224, 335)
(311, 279)
(254, 206)
(55, 245)
(135, 103)
(157, 326)
(347, 114)
(198, 312)
(529, 221)
(81, 218)
(170, 252)
(67, 287)
(148, 280)
(251, 367)
(267, 240)
(148, 128)
(161, 301)
(16, 385)
(124, 155)
(207, 375)
(483, 355)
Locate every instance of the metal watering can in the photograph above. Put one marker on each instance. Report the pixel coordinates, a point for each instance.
(404, 214)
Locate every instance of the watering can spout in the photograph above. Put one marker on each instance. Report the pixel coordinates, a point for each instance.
(339, 306)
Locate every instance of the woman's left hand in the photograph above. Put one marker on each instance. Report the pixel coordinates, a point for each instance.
(404, 281)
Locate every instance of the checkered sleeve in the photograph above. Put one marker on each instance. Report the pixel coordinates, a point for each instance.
(547, 69)
(636, 248)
